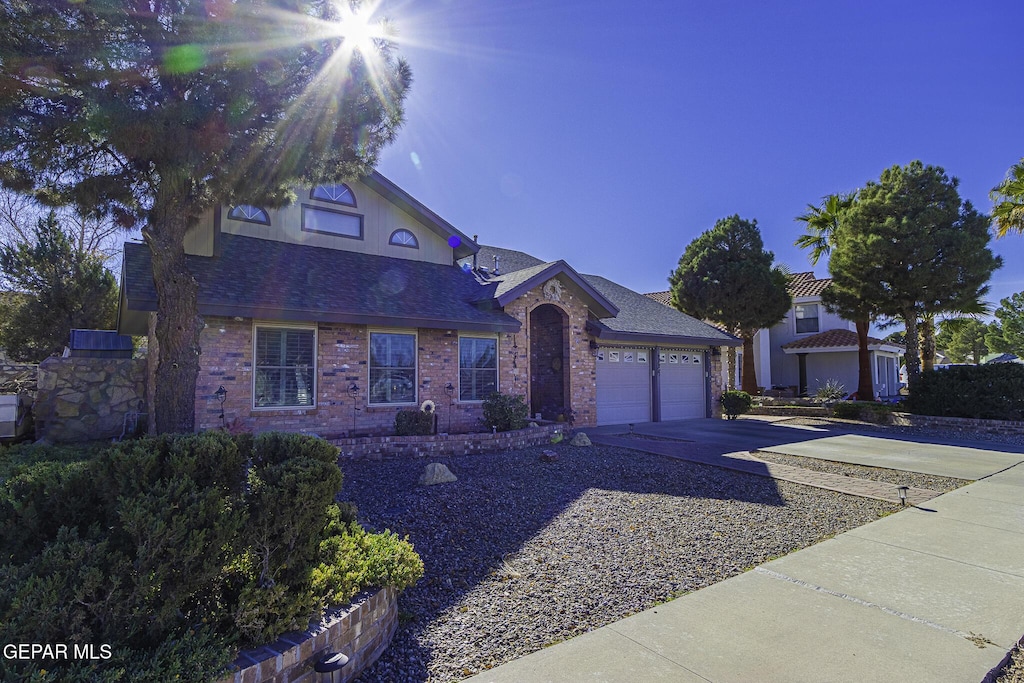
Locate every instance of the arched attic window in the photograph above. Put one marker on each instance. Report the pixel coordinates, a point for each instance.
(404, 238)
(249, 214)
(336, 194)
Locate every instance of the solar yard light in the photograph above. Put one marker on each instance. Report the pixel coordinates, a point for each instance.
(902, 490)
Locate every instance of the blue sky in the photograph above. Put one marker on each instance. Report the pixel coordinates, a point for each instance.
(612, 134)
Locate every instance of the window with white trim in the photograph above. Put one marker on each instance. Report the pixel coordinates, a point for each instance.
(336, 194)
(284, 367)
(331, 222)
(392, 368)
(249, 214)
(404, 238)
(478, 368)
(806, 316)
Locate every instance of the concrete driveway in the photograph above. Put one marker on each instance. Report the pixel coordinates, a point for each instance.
(934, 593)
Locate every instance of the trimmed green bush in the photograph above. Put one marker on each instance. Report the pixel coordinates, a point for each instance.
(414, 423)
(505, 412)
(991, 392)
(735, 403)
(868, 411)
(175, 550)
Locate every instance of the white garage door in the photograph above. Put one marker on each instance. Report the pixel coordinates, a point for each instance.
(682, 384)
(623, 385)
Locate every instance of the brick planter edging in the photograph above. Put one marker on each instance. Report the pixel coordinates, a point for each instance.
(379, 447)
(1010, 427)
(362, 631)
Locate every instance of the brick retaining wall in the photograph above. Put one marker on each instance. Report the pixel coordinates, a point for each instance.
(361, 631)
(1006, 427)
(379, 447)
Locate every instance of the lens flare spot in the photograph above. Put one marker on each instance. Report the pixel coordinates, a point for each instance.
(183, 59)
(415, 158)
(454, 242)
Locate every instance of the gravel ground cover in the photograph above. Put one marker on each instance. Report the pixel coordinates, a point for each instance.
(898, 477)
(521, 554)
(930, 432)
(1013, 672)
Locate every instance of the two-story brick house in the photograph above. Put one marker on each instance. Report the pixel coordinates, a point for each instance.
(332, 314)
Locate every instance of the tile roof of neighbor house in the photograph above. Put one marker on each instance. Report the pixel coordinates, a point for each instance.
(800, 285)
(805, 284)
(258, 278)
(833, 339)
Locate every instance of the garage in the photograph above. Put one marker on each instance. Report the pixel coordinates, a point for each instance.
(623, 385)
(682, 383)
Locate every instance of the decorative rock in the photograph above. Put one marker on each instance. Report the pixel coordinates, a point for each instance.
(581, 439)
(533, 424)
(548, 456)
(436, 473)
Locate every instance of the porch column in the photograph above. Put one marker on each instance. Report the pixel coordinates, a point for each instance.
(801, 358)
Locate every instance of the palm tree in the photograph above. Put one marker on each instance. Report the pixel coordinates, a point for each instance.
(822, 222)
(1008, 197)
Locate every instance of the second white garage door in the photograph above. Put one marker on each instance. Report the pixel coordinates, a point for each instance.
(682, 384)
(623, 385)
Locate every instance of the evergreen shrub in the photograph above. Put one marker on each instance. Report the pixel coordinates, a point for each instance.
(414, 423)
(991, 392)
(175, 550)
(735, 403)
(505, 412)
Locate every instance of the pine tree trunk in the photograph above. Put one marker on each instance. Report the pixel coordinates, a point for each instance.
(865, 382)
(749, 376)
(927, 344)
(911, 358)
(178, 325)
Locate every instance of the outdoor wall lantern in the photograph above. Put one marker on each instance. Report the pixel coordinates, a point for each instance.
(222, 395)
(902, 490)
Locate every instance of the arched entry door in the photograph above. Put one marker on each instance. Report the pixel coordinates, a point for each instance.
(549, 358)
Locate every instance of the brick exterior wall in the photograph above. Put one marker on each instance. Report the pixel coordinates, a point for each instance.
(579, 368)
(227, 360)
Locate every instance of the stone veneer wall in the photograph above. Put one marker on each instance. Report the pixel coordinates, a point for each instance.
(380, 447)
(717, 380)
(84, 399)
(361, 631)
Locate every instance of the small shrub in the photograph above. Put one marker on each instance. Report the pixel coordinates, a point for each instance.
(832, 390)
(505, 412)
(414, 423)
(846, 410)
(735, 403)
(868, 411)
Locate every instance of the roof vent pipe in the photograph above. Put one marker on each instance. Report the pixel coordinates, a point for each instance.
(496, 259)
(476, 240)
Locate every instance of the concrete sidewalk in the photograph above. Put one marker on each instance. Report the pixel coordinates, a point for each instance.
(928, 594)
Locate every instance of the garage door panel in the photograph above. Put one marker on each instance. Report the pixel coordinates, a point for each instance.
(623, 386)
(682, 384)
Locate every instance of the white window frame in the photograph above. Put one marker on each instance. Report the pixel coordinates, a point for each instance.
(307, 209)
(497, 364)
(416, 368)
(312, 194)
(796, 319)
(274, 325)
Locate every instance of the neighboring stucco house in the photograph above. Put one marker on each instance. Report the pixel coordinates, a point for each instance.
(811, 346)
(332, 314)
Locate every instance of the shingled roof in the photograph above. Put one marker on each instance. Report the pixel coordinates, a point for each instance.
(258, 278)
(641, 318)
(836, 340)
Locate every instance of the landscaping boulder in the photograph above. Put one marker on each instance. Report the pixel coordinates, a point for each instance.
(548, 456)
(436, 473)
(581, 439)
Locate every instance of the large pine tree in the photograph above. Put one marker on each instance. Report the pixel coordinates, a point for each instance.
(156, 112)
(725, 275)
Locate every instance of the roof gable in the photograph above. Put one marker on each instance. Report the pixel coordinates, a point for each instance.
(511, 286)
